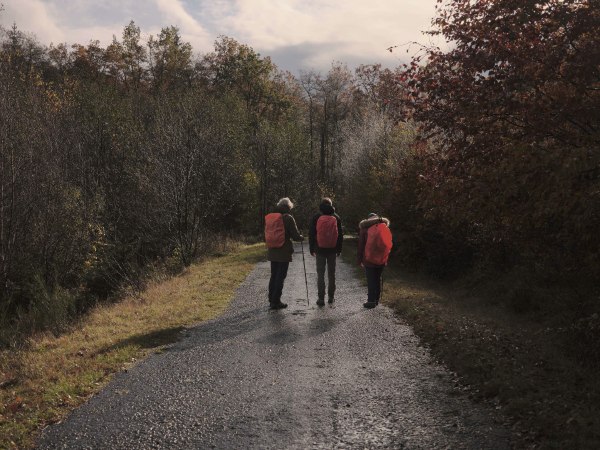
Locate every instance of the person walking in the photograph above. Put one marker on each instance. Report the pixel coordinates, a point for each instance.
(325, 238)
(280, 229)
(374, 247)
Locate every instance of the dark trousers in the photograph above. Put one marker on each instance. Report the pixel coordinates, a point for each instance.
(374, 283)
(329, 261)
(278, 274)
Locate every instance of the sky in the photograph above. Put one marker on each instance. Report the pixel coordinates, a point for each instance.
(296, 34)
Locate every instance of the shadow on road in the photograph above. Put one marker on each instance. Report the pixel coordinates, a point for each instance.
(153, 339)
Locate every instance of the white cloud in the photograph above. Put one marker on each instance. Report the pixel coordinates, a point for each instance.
(32, 16)
(335, 29)
(52, 21)
(297, 33)
(190, 28)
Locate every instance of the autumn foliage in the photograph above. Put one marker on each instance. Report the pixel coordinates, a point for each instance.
(484, 155)
(511, 117)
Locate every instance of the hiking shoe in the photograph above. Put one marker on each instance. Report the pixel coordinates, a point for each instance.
(321, 302)
(330, 300)
(278, 305)
(370, 305)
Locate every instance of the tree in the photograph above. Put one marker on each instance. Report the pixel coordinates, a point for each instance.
(380, 87)
(22, 52)
(134, 56)
(513, 113)
(520, 71)
(335, 94)
(268, 97)
(44, 237)
(309, 82)
(170, 58)
(195, 171)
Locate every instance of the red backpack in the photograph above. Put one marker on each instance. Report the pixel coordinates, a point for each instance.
(274, 230)
(379, 244)
(327, 231)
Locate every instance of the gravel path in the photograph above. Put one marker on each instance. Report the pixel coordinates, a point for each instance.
(305, 377)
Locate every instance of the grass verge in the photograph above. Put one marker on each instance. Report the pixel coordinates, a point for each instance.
(41, 383)
(520, 364)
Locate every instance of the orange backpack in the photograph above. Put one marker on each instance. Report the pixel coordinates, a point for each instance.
(274, 230)
(327, 231)
(379, 244)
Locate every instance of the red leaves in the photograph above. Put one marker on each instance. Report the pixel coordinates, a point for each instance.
(505, 54)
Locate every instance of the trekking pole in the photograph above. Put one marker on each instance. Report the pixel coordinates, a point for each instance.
(305, 279)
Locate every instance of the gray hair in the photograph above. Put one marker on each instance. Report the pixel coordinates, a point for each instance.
(285, 202)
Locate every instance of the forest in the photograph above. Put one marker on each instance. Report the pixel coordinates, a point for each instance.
(143, 155)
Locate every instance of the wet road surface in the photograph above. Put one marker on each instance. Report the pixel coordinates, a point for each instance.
(304, 377)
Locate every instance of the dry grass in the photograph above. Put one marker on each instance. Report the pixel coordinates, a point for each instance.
(41, 383)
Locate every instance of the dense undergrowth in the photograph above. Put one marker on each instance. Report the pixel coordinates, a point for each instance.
(57, 310)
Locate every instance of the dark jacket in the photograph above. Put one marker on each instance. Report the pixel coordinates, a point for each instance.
(326, 209)
(284, 254)
(362, 237)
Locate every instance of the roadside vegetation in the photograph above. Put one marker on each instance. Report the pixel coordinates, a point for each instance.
(528, 367)
(45, 380)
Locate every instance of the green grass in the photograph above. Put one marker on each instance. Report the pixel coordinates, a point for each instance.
(41, 383)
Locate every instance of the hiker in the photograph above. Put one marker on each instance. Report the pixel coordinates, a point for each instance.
(325, 239)
(280, 229)
(374, 246)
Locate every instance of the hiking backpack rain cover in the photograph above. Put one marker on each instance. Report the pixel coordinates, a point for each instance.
(327, 231)
(274, 230)
(379, 244)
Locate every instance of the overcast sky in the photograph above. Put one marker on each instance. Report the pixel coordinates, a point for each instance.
(297, 34)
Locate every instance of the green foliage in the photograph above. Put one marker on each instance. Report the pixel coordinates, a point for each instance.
(115, 159)
(170, 59)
